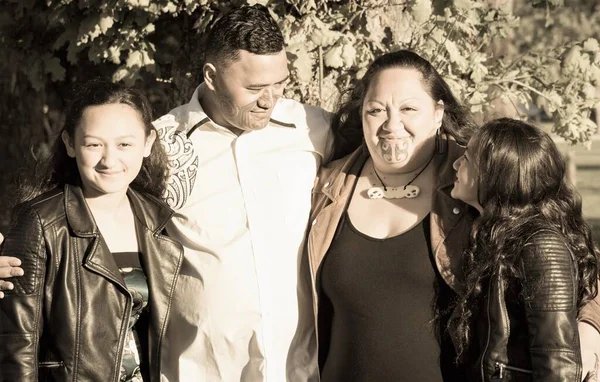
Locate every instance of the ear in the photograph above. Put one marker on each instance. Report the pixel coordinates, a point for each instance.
(68, 144)
(209, 72)
(439, 113)
(149, 142)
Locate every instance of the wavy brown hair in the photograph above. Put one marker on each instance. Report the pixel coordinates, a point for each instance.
(346, 124)
(60, 169)
(522, 189)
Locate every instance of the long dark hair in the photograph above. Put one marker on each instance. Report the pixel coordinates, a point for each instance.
(522, 189)
(60, 169)
(346, 124)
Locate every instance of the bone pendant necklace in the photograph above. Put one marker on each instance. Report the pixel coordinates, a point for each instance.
(408, 191)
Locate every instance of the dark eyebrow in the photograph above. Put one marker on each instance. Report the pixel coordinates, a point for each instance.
(100, 138)
(265, 85)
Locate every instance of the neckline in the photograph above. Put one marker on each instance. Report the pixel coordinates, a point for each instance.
(377, 239)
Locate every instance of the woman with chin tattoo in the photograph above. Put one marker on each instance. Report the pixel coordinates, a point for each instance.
(387, 238)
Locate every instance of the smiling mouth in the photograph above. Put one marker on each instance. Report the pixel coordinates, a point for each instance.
(261, 111)
(390, 137)
(108, 173)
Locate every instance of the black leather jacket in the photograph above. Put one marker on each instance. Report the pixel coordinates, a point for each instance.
(67, 318)
(528, 332)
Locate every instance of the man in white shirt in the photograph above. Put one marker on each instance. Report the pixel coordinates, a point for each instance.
(243, 163)
(243, 167)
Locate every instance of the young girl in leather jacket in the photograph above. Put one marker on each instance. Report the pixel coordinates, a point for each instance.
(94, 301)
(532, 262)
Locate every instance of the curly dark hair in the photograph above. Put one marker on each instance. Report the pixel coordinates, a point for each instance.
(346, 123)
(60, 169)
(522, 189)
(249, 28)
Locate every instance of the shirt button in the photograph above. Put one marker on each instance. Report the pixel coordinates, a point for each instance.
(326, 185)
(314, 222)
(456, 211)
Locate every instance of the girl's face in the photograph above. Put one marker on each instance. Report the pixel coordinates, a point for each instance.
(109, 145)
(465, 185)
(399, 118)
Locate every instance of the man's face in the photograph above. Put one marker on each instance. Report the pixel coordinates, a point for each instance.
(246, 90)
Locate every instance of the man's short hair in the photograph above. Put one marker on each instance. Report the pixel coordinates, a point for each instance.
(249, 28)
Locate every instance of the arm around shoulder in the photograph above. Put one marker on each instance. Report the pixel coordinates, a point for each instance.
(20, 310)
(551, 288)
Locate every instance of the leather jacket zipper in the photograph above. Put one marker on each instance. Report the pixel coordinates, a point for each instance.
(500, 367)
(489, 329)
(51, 365)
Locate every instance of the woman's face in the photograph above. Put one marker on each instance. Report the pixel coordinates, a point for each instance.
(109, 146)
(465, 185)
(399, 120)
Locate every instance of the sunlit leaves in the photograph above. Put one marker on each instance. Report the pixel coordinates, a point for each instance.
(489, 56)
(421, 10)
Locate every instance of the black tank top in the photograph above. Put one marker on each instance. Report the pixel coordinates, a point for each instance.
(380, 294)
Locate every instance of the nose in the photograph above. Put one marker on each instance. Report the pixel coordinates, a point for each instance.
(109, 157)
(394, 125)
(266, 99)
(456, 164)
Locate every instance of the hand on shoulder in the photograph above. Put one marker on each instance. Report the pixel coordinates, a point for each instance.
(9, 267)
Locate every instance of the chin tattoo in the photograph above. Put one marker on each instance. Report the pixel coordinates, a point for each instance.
(394, 150)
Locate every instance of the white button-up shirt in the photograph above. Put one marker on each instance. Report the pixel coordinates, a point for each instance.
(239, 312)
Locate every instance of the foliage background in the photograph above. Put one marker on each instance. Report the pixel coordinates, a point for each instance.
(499, 56)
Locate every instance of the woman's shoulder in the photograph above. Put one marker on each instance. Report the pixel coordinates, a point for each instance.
(545, 245)
(39, 213)
(49, 204)
(543, 236)
(339, 166)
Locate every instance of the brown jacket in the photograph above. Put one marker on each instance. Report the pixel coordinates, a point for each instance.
(450, 219)
(67, 318)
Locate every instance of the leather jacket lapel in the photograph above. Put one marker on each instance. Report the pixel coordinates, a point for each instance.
(161, 259)
(96, 255)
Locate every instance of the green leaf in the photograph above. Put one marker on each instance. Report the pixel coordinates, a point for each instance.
(105, 23)
(399, 24)
(421, 10)
(591, 45)
(53, 67)
(375, 25)
(455, 54)
(303, 65)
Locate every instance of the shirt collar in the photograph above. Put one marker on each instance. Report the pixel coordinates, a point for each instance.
(194, 116)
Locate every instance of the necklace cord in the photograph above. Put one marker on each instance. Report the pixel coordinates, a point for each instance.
(412, 180)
